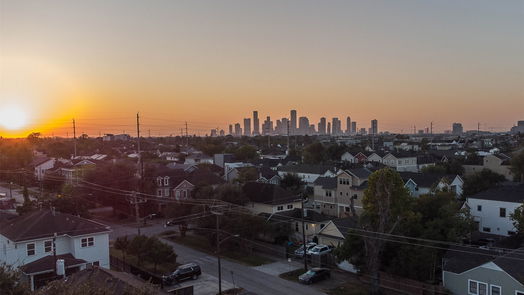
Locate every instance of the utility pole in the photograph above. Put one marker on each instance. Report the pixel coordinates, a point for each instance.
(478, 128)
(431, 128)
(74, 135)
(54, 253)
(187, 136)
(136, 201)
(304, 232)
(217, 214)
(138, 145)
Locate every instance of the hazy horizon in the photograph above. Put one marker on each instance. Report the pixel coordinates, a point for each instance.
(212, 63)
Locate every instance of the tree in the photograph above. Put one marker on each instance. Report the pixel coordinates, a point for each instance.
(314, 153)
(27, 206)
(481, 181)
(247, 174)
(386, 203)
(139, 246)
(158, 252)
(518, 219)
(122, 244)
(517, 167)
(246, 153)
(291, 182)
(93, 287)
(11, 283)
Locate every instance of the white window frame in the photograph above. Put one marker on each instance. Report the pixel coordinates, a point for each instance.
(478, 287)
(290, 206)
(159, 181)
(166, 181)
(518, 292)
(51, 247)
(27, 249)
(89, 242)
(280, 208)
(496, 286)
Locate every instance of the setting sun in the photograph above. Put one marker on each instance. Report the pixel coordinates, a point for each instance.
(12, 118)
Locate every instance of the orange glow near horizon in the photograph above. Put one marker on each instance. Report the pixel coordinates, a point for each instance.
(405, 64)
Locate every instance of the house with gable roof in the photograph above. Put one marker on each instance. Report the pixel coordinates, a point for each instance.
(31, 241)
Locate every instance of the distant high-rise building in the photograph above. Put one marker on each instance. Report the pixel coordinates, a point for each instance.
(222, 132)
(457, 129)
(519, 128)
(293, 121)
(284, 122)
(303, 126)
(354, 127)
(348, 125)
(374, 127)
(336, 126)
(247, 127)
(322, 126)
(230, 129)
(213, 133)
(267, 127)
(328, 128)
(256, 123)
(238, 130)
(311, 129)
(362, 131)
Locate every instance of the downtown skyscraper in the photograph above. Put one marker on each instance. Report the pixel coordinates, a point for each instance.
(256, 123)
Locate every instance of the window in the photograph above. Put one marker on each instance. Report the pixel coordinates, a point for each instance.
(479, 208)
(280, 208)
(511, 233)
(166, 181)
(477, 288)
(296, 226)
(87, 242)
(322, 225)
(306, 226)
(290, 206)
(159, 192)
(495, 290)
(48, 246)
(502, 212)
(486, 229)
(519, 292)
(346, 209)
(159, 181)
(341, 193)
(30, 249)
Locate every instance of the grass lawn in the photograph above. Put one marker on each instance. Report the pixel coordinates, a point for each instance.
(292, 275)
(202, 244)
(162, 268)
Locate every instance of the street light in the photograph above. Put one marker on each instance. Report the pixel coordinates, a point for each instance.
(218, 214)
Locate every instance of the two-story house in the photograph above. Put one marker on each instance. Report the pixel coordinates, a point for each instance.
(40, 165)
(428, 183)
(401, 161)
(491, 209)
(498, 163)
(34, 241)
(335, 195)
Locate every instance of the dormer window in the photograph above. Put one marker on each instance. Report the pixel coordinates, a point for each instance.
(166, 180)
(159, 181)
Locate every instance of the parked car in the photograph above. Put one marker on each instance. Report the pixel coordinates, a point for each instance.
(300, 251)
(319, 250)
(314, 275)
(183, 272)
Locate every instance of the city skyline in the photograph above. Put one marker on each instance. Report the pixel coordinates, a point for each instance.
(406, 64)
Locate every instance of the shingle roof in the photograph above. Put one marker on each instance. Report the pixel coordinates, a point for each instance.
(425, 179)
(345, 224)
(267, 193)
(326, 182)
(505, 193)
(43, 223)
(461, 259)
(362, 173)
(47, 263)
(311, 215)
(306, 168)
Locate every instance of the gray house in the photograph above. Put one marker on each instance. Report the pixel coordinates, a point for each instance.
(468, 271)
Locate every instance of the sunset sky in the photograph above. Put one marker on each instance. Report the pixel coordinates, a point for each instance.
(212, 63)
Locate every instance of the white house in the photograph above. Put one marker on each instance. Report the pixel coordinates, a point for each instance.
(348, 157)
(427, 183)
(491, 209)
(31, 241)
(269, 198)
(41, 165)
(401, 162)
(308, 173)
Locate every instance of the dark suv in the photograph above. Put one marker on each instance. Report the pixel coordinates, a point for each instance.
(183, 272)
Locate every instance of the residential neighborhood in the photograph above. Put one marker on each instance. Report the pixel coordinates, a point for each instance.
(71, 215)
